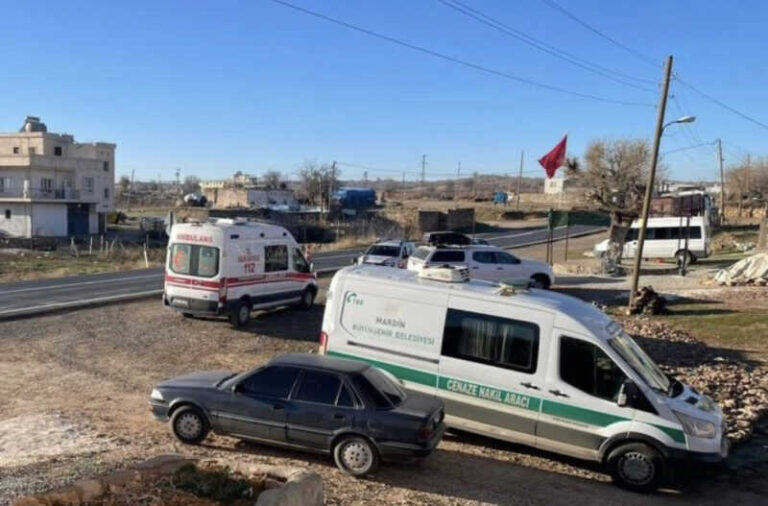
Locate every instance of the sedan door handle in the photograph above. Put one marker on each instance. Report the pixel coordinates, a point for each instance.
(558, 393)
(530, 385)
(499, 268)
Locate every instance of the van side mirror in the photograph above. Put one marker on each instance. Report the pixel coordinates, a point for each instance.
(626, 392)
(311, 266)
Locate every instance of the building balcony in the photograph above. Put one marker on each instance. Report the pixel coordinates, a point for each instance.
(40, 194)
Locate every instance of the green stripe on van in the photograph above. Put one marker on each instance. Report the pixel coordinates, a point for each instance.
(505, 397)
(405, 373)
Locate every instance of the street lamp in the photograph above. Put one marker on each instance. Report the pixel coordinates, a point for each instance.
(660, 126)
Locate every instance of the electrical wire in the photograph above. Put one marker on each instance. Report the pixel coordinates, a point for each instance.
(546, 48)
(455, 60)
(721, 103)
(686, 148)
(638, 54)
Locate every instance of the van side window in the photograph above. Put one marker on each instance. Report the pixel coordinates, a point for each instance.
(586, 367)
(275, 258)
(491, 340)
(300, 264)
(447, 256)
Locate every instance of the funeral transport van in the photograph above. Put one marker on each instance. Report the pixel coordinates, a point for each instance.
(523, 365)
(232, 267)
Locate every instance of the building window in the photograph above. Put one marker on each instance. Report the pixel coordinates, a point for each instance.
(106, 193)
(15, 150)
(57, 151)
(46, 184)
(7, 214)
(32, 150)
(88, 184)
(106, 166)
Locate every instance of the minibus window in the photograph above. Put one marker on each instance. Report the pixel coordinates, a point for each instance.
(491, 340)
(194, 260)
(586, 367)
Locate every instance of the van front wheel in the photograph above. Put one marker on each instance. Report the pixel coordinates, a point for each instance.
(240, 314)
(307, 299)
(636, 467)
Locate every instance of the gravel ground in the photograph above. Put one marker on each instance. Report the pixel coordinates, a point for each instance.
(92, 370)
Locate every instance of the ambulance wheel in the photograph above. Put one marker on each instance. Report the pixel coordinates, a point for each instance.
(307, 299)
(636, 467)
(240, 314)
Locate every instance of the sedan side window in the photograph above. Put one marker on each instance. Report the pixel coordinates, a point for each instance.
(586, 367)
(276, 381)
(318, 387)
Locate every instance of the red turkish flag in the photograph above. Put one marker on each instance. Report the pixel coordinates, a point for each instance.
(554, 159)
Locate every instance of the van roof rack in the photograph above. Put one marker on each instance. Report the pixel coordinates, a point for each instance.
(446, 273)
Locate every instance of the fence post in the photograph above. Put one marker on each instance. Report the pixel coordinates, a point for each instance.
(90, 247)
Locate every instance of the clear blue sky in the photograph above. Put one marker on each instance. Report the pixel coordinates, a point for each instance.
(214, 87)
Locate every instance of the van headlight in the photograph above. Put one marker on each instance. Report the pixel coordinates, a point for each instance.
(696, 426)
(156, 395)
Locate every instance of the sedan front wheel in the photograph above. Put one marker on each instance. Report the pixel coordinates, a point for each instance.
(189, 425)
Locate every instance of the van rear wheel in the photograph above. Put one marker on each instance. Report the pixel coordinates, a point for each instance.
(683, 255)
(636, 466)
(240, 314)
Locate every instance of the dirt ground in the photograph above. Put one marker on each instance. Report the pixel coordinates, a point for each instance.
(73, 403)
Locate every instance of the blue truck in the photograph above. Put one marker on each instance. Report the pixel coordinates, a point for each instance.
(354, 198)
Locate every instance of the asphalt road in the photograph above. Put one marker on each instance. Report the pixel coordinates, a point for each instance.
(27, 298)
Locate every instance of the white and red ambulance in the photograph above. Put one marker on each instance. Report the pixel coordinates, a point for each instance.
(232, 267)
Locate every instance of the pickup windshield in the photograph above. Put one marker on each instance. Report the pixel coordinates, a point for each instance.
(194, 260)
(640, 362)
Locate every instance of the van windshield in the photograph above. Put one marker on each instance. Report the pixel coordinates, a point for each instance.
(194, 260)
(640, 362)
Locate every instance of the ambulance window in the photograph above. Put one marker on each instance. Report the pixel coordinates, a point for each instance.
(207, 261)
(586, 367)
(275, 258)
(491, 340)
(299, 262)
(181, 258)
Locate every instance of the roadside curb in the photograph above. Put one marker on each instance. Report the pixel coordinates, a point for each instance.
(13, 314)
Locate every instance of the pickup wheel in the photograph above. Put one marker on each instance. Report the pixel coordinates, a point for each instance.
(189, 425)
(187, 315)
(240, 314)
(356, 455)
(540, 281)
(636, 467)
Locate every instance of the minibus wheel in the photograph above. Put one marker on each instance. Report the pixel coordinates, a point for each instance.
(240, 314)
(636, 466)
(686, 256)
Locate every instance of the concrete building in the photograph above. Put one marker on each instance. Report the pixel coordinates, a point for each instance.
(51, 185)
(259, 198)
(555, 186)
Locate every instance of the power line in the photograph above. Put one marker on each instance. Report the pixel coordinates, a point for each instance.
(458, 61)
(686, 148)
(638, 54)
(545, 47)
(721, 103)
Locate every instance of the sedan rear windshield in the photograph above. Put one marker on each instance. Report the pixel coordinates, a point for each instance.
(382, 391)
(194, 260)
(383, 251)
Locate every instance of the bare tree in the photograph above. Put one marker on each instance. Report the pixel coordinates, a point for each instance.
(317, 181)
(191, 184)
(272, 179)
(125, 183)
(614, 179)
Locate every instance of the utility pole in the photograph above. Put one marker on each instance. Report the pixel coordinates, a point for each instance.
(722, 182)
(423, 170)
(649, 185)
(402, 189)
(519, 180)
(458, 178)
(330, 184)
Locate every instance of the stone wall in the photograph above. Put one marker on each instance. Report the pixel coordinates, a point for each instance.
(460, 219)
(430, 221)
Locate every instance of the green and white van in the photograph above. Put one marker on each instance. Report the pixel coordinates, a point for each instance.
(527, 366)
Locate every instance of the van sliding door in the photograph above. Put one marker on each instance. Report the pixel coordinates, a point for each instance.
(491, 370)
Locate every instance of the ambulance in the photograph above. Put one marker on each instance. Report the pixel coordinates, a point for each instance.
(232, 267)
(524, 365)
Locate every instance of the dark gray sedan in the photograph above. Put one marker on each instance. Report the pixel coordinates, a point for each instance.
(342, 407)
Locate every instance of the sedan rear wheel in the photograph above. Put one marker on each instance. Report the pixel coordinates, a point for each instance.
(189, 425)
(356, 455)
(540, 281)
